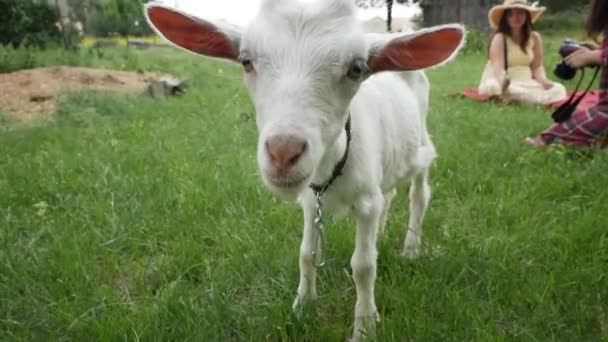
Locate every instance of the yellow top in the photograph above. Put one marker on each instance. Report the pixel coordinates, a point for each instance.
(518, 61)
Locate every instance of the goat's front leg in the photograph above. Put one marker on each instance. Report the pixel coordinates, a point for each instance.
(307, 289)
(363, 263)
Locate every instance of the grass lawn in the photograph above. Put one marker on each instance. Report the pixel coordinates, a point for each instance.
(132, 218)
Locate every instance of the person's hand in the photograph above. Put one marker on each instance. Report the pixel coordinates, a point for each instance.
(506, 81)
(590, 45)
(546, 84)
(583, 57)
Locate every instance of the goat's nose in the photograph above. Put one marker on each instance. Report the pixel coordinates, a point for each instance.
(284, 151)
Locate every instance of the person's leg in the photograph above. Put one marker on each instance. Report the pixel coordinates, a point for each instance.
(583, 128)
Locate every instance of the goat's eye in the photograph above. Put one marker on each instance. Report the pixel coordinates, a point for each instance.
(356, 70)
(247, 64)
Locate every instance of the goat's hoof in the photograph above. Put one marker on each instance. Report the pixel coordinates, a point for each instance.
(302, 299)
(411, 246)
(411, 251)
(299, 304)
(298, 307)
(365, 328)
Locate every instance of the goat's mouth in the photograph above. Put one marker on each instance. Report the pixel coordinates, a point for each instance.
(287, 183)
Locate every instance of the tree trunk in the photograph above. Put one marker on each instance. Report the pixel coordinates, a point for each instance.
(61, 26)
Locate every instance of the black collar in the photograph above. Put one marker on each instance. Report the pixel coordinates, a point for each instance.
(338, 168)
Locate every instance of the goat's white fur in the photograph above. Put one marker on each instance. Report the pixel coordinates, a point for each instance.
(301, 52)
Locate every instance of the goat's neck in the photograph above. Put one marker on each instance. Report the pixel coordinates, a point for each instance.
(332, 156)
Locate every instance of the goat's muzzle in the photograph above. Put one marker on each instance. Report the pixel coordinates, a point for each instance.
(284, 152)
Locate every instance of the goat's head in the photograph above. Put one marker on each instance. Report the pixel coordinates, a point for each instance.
(303, 63)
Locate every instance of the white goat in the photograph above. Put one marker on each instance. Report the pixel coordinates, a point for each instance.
(309, 68)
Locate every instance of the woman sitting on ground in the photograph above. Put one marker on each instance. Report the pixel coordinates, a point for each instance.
(590, 126)
(524, 80)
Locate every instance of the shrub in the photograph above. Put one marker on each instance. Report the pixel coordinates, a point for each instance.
(561, 21)
(477, 42)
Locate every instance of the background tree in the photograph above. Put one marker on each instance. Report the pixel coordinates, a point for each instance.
(122, 17)
(376, 3)
(29, 23)
(474, 12)
(81, 11)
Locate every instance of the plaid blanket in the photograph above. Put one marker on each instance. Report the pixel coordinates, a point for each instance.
(589, 126)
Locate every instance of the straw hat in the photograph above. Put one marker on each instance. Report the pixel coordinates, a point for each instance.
(497, 11)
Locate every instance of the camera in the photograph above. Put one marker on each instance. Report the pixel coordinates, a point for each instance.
(568, 46)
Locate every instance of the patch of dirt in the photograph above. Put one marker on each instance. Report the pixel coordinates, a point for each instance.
(31, 95)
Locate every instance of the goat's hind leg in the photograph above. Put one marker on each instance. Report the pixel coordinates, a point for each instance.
(388, 198)
(420, 194)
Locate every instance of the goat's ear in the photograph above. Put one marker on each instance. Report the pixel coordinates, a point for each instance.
(413, 51)
(213, 39)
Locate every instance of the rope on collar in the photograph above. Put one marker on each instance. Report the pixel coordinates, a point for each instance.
(338, 168)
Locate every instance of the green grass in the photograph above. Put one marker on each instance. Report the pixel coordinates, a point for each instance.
(4, 119)
(119, 58)
(131, 218)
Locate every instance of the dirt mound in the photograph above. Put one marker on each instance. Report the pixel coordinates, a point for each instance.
(30, 95)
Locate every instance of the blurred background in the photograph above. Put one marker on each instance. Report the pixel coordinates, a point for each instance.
(69, 23)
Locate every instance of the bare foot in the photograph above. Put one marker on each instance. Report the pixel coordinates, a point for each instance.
(536, 141)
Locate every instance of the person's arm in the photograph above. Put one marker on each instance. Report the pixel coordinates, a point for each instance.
(537, 66)
(583, 57)
(497, 59)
